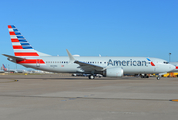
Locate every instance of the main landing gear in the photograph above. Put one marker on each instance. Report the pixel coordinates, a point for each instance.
(91, 76)
(144, 76)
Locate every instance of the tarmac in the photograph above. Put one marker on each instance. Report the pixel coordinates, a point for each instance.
(63, 97)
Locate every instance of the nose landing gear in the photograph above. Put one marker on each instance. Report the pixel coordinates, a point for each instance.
(158, 77)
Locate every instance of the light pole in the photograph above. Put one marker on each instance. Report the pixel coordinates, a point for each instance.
(169, 57)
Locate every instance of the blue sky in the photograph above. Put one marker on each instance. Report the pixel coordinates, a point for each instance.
(91, 27)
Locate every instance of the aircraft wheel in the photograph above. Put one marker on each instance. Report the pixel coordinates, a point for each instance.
(91, 77)
(158, 78)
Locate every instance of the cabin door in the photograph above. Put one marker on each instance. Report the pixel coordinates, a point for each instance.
(37, 62)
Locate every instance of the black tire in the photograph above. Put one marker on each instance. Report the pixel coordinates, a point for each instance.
(158, 78)
(91, 77)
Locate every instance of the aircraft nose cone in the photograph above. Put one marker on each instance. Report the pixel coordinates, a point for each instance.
(172, 67)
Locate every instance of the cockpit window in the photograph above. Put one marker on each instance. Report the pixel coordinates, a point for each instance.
(165, 62)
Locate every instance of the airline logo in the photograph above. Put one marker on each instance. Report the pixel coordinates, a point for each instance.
(4, 67)
(152, 64)
(20, 45)
(22, 48)
(130, 62)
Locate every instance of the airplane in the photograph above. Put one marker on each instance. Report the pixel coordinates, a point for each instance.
(11, 70)
(27, 56)
(1, 71)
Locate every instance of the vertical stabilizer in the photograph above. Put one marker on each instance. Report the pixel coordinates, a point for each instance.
(4, 67)
(21, 46)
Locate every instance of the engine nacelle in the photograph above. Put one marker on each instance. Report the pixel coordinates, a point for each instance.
(113, 72)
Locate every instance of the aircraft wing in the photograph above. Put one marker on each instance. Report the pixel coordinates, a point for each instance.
(85, 66)
(13, 57)
(89, 67)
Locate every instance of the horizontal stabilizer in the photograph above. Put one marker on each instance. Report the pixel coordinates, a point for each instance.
(42, 54)
(13, 57)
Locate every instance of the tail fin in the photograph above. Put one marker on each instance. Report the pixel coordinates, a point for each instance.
(4, 67)
(21, 46)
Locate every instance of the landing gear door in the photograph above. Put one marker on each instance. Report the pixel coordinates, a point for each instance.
(37, 62)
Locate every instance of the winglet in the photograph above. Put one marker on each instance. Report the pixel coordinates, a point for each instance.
(71, 58)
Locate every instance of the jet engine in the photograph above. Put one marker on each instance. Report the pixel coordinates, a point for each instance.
(113, 72)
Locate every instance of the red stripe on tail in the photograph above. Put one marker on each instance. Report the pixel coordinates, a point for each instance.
(26, 54)
(17, 47)
(9, 26)
(12, 33)
(14, 40)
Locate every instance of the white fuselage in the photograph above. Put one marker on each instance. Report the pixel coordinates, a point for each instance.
(130, 65)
